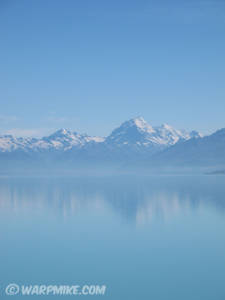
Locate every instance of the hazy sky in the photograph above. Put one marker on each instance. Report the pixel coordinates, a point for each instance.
(88, 65)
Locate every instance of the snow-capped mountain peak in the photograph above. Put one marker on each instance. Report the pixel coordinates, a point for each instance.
(138, 132)
(60, 133)
(133, 135)
(168, 135)
(139, 123)
(130, 132)
(64, 139)
(166, 126)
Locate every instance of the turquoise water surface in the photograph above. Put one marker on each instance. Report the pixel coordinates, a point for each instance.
(144, 238)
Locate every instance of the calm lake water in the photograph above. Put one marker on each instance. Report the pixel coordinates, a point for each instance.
(156, 238)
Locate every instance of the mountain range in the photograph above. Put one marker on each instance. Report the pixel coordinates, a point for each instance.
(134, 144)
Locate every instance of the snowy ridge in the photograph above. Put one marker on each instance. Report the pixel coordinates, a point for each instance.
(133, 134)
(8, 143)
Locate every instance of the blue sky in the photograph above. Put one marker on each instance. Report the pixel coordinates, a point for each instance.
(89, 65)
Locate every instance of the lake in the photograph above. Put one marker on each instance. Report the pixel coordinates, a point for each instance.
(152, 237)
